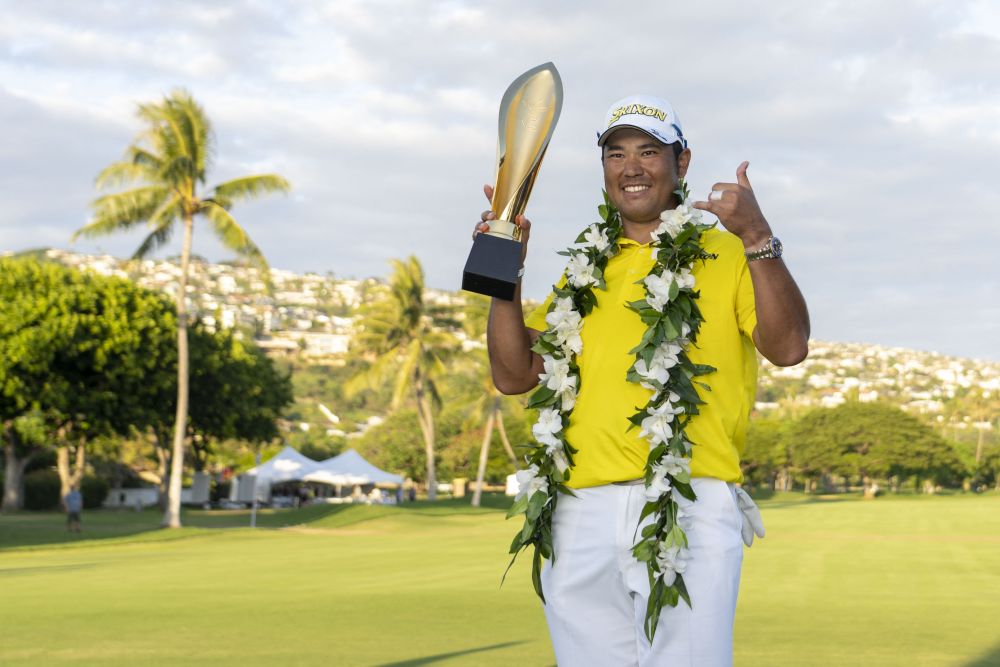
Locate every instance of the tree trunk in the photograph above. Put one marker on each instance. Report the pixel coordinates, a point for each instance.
(172, 517)
(484, 453)
(70, 475)
(13, 478)
(426, 420)
(503, 435)
(979, 446)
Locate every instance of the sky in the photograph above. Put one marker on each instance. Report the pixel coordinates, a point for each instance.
(872, 129)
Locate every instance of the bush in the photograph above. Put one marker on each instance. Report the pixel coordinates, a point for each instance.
(94, 490)
(41, 490)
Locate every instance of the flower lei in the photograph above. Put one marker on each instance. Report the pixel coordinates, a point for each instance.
(672, 318)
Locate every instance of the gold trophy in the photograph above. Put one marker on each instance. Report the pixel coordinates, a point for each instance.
(528, 114)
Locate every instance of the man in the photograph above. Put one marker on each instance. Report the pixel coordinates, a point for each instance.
(73, 502)
(596, 592)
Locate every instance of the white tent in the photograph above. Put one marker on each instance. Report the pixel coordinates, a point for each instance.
(334, 478)
(287, 466)
(353, 465)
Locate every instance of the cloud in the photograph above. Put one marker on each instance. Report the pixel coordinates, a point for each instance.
(872, 131)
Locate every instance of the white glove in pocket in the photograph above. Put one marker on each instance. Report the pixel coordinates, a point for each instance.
(752, 523)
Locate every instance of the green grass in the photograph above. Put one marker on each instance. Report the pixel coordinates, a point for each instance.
(895, 581)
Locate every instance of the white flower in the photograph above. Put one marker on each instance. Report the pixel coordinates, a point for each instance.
(684, 279)
(558, 455)
(596, 237)
(673, 221)
(684, 518)
(566, 324)
(528, 482)
(658, 485)
(675, 465)
(570, 340)
(672, 561)
(665, 355)
(580, 271)
(568, 397)
(658, 289)
(549, 423)
(685, 330)
(556, 376)
(563, 315)
(656, 427)
(652, 372)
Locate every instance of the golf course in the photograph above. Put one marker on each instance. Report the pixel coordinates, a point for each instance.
(900, 580)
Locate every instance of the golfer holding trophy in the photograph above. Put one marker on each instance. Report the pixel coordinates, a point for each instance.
(642, 365)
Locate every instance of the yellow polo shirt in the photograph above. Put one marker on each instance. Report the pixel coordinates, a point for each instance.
(606, 399)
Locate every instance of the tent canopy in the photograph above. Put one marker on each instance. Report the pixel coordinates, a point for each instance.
(288, 465)
(352, 464)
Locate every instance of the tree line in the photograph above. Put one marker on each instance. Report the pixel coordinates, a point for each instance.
(85, 358)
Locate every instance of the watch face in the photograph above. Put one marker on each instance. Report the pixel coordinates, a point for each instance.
(776, 246)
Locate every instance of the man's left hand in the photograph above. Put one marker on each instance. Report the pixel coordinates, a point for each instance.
(736, 207)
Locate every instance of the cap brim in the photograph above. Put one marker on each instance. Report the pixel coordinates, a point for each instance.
(611, 130)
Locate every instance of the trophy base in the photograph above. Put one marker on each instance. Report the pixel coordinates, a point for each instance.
(492, 267)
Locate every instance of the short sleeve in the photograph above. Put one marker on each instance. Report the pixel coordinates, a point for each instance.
(746, 310)
(536, 320)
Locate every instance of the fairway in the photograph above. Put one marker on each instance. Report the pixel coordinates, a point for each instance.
(895, 581)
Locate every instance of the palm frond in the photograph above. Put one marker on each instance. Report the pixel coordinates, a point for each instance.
(120, 173)
(406, 373)
(143, 158)
(195, 129)
(179, 172)
(248, 187)
(232, 235)
(123, 210)
(162, 222)
(160, 236)
(374, 375)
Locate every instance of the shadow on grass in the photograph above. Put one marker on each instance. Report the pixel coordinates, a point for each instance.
(990, 659)
(431, 659)
(21, 571)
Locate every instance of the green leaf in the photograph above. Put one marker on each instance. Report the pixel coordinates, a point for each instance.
(653, 608)
(518, 507)
(536, 574)
(682, 589)
(685, 490)
(535, 505)
(669, 596)
(543, 396)
(516, 545)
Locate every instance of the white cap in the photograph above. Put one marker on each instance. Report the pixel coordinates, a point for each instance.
(652, 115)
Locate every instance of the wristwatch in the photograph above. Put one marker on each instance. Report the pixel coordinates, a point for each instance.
(771, 249)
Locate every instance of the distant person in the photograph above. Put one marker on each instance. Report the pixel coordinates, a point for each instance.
(73, 502)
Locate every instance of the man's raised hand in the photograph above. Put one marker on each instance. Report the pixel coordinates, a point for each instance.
(735, 205)
(484, 224)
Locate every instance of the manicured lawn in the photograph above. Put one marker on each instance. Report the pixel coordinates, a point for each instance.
(896, 581)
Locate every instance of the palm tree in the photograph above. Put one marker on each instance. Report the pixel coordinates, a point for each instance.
(403, 337)
(488, 405)
(167, 163)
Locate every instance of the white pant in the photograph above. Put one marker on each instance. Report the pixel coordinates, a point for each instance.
(596, 592)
